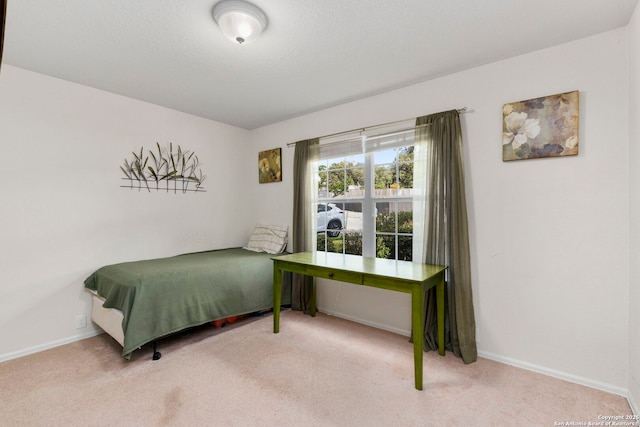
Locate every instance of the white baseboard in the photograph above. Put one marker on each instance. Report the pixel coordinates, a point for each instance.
(609, 388)
(634, 405)
(49, 345)
(366, 322)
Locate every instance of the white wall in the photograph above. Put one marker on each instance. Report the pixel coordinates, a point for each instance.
(64, 214)
(549, 236)
(634, 197)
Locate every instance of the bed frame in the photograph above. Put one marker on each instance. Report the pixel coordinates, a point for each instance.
(141, 302)
(110, 320)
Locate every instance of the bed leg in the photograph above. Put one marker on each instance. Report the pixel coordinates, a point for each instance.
(156, 354)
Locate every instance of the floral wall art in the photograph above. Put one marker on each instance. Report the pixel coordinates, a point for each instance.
(541, 127)
(163, 170)
(270, 166)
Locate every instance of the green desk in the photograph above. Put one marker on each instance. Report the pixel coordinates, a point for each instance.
(401, 276)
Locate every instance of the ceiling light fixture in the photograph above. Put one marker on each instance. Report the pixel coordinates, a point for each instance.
(241, 22)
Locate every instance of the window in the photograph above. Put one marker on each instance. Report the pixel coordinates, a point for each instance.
(365, 195)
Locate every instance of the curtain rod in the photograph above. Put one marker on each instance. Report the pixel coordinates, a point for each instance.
(291, 144)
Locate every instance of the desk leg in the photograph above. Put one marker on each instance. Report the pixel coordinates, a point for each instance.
(440, 313)
(277, 296)
(312, 300)
(417, 309)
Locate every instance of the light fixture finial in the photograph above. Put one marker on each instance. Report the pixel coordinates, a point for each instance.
(240, 21)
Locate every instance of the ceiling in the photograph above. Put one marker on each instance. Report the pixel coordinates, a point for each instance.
(314, 53)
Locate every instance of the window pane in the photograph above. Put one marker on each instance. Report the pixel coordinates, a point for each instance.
(385, 157)
(335, 244)
(355, 182)
(383, 180)
(385, 246)
(330, 218)
(385, 217)
(322, 242)
(393, 172)
(335, 183)
(322, 182)
(329, 244)
(405, 169)
(353, 242)
(405, 248)
(352, 216)
(405, 217)
(384, 173)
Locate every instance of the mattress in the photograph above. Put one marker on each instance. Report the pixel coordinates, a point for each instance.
(109, 319)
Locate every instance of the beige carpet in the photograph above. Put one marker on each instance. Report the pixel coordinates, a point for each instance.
(321, 371)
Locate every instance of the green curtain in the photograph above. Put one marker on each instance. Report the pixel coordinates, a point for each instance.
(3, 20)
(446, 239)
(306, 152)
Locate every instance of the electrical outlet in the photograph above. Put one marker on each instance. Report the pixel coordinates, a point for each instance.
(81, 321)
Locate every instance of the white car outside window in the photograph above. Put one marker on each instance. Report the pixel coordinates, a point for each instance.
(330, 219)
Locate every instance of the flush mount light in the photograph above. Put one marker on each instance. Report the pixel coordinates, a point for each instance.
(241, 22)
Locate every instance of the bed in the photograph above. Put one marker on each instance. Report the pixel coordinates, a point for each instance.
(142, 301)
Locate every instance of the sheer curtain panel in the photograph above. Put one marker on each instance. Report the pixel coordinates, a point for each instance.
(306, 153)
(446, 236)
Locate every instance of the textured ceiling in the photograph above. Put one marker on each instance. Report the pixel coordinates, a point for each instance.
(314, 53)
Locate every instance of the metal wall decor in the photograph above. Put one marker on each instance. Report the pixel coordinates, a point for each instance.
(164, 170)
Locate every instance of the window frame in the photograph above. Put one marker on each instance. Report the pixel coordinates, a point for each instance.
(369, 200)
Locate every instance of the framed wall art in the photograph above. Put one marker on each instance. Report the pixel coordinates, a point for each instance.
(540, 127)
(270, 166)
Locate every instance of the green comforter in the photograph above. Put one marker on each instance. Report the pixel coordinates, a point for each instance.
(160, 296)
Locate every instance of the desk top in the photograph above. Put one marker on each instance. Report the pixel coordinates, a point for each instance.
(405, 270)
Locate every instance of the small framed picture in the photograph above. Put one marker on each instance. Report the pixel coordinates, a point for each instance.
(540, 127)
(270, 166)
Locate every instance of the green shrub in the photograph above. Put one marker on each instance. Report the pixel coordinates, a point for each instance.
(352, 243)
(322, 241)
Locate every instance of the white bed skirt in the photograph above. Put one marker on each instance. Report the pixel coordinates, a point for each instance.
(109, 319)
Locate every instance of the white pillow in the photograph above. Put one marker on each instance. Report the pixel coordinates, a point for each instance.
(271, 239)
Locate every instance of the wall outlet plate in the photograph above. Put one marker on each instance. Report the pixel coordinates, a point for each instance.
(81, 321)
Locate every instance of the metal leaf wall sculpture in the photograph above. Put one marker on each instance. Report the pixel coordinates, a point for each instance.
(164, 170)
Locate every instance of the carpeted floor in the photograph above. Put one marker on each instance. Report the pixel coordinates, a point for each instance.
(321, 371)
